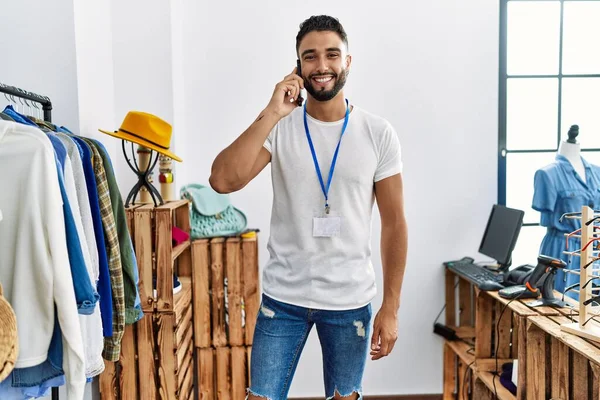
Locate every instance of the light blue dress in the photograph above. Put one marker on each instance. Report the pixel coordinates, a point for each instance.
(558, 189)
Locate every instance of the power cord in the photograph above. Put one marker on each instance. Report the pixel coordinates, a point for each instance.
(467, 372)
(498, 342)
(444, 307)
(445, 331)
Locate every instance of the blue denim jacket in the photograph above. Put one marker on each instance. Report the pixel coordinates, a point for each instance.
(106, 306)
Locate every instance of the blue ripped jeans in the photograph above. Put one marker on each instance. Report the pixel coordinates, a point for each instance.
(279, 337)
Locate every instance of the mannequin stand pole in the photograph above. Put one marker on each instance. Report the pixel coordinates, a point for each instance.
(142, 177)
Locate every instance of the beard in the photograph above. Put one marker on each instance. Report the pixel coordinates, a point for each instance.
(320, 94)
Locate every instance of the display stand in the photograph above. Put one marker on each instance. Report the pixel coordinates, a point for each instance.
(587, 274)
(143, 177)
(157, 352)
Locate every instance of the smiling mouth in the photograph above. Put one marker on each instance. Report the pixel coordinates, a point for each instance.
(323, 80)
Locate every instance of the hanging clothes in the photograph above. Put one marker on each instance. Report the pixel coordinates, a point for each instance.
(104, 280)
(91, 326)
(6, 117)
(112, 345)
(103, 269)
(558, 189)
(133, 309)
(20, 118)
(29, 211)
(37, 380)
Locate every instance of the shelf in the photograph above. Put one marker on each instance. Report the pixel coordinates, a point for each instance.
(177, 250)
(488, 379)
(516, 306)
(464, 332)
(465, 352)
(183, 298)
(172, 205)
(489, 364)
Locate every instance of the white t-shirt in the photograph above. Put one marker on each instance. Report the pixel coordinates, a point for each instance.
(330, 273)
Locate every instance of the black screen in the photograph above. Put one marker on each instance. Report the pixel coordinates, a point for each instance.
(501, 233)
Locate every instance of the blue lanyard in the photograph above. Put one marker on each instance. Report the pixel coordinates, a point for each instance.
(335, 155)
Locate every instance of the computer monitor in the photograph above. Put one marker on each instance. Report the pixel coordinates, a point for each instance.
(501, 233)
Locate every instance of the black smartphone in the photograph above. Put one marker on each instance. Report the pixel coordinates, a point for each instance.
(300, 99)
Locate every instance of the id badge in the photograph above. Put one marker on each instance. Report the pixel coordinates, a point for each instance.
(326, 226)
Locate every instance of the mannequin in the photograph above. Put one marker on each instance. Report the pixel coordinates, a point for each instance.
(572, 151)
(564, 186)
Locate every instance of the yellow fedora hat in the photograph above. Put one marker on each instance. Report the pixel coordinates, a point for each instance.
(147, 130)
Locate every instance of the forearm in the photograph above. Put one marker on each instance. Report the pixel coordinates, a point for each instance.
(394, 245)
(232, 167)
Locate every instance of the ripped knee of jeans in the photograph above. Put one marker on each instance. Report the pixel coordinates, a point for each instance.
(354, 395)
(255, 395)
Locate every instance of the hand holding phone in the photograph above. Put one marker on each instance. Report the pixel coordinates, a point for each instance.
(286, 96)
(300, 99)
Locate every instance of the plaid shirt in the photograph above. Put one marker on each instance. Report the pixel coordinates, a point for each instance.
(112, 345)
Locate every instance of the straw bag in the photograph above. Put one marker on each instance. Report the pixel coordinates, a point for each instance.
(9, 347)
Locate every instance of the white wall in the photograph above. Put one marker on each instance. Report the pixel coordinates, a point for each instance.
(430, 68)
(37, 42)
(94, 44)
(141, 31)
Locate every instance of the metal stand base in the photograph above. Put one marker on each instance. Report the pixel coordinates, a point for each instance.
(547, 302)
(142, 177)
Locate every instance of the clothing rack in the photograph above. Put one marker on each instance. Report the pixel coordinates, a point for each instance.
(13, 92)
(23, 94)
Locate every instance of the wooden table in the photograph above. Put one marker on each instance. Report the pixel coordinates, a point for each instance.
(489, 326)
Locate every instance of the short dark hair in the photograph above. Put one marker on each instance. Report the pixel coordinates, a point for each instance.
(321, 23)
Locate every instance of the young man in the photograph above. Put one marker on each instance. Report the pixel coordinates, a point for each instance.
(329, 161)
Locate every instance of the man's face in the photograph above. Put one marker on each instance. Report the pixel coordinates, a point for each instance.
(325, 61)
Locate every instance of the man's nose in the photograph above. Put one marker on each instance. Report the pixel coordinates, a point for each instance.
(323, 67)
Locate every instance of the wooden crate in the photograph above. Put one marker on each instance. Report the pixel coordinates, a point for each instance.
(156, 257)
(499, 330)
(233, 260)
(156, 356)
(561, 365)
(223, 372)
(157, 353)
(458, 374)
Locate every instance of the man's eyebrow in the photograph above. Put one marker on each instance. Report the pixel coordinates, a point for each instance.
(305, 52)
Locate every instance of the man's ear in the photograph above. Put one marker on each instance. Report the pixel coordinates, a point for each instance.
(348, 61)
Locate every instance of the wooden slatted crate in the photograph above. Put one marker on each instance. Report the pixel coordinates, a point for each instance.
(157, 353)
(498, 333)
(458, 374)
(223, 372)
(225, 272)
(561, 365)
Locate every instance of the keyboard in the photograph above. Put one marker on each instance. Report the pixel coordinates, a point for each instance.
(477, 275)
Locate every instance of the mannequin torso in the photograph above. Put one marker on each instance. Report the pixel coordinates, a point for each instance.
(571, 151)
